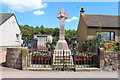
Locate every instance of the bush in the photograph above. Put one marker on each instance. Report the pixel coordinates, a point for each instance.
(111, 46)
(91, 45)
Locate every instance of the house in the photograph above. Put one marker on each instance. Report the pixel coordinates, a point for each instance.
(42, 40)
(10, 34)
(90, 24)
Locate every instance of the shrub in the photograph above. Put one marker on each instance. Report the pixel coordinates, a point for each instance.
(42, 54)
(111, 46)
(91, 45)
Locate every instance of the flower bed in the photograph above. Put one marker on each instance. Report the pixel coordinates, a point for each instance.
(83, 56)
(41, 58)
(41, 55)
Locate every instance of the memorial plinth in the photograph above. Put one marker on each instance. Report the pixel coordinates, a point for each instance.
(61, 50)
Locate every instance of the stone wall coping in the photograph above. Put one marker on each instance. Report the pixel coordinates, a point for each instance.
(17, 47)
(111, 52)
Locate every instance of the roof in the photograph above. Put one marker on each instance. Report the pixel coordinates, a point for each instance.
(42, 35)
(92, 20)
(4, 17)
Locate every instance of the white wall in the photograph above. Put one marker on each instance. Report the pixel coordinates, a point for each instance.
(9, 29)
(42, 39)
(49, 38)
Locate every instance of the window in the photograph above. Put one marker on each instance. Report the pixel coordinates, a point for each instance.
(107, 35)
(17, 36)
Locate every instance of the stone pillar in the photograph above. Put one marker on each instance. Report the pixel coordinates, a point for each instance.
(16, 57)
(101, 58)
(24, 58)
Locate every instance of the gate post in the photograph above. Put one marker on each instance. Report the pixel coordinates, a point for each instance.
(101, 57)
(74, 54)
(24, 58)
(17, 57)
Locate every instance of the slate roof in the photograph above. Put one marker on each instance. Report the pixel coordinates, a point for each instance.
(92, 20)
(4, 17)
(42, 35)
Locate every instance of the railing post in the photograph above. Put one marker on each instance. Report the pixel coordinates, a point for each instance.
(63, 61)
(74, 60)
(52, 53)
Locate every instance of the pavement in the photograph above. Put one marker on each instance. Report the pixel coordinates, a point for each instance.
(14, 73)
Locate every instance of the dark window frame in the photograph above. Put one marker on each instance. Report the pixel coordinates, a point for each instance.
(110, 34)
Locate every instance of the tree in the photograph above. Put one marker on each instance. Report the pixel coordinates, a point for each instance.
(29, 31)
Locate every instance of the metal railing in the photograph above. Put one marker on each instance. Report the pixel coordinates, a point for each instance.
(43, 57)
(40, 59)
(86, 60)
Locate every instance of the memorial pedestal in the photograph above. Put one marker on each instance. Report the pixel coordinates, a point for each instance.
(62, 45)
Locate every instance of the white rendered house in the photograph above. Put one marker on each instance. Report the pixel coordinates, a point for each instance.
(10, 34)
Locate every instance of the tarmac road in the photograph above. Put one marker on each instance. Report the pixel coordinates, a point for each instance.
(13, 73)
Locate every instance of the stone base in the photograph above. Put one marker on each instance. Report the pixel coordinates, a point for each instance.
(61, 57)
(62, 45)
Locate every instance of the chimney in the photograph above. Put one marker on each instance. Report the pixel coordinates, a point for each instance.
(82, 11)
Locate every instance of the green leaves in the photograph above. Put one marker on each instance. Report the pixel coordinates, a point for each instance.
(29, 31)
(111, 46)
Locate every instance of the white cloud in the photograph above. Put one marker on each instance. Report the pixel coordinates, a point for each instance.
(24, 5)
(38, 12)
(9, 11)
(73, 18)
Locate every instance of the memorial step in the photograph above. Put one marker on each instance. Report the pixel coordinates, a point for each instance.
(66, 54)
(63, 56)
(62, 62)
(62, 59)
(61, 65)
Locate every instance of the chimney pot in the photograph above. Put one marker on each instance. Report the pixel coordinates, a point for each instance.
(82, 11)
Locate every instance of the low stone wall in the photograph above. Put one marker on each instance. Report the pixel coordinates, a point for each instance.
(3, 55)
(108, 60)
(16, 57)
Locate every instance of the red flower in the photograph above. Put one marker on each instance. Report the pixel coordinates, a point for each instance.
(99, 33)
(106, 47)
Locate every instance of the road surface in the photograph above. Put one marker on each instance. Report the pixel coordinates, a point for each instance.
(13, 73)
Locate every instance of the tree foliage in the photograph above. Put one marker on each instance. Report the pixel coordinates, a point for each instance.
(29, 31)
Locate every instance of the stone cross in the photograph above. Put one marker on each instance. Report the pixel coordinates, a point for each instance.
(62, 16)
(62, 50)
